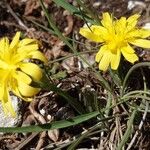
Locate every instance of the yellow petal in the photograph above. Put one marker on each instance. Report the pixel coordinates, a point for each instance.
(120, 25)
(86, 32)
(141, 43)
(144, 33)
(28, 48)
(132, 21)
(38, 55)
(138, 33)
(133, 34)
(15, 40)
(122, 21)
(20, 57)
(20, 76)
(2, 91)
(97, 29)
(17, 93)
(133, 18)
(6, 102)
(105, 61)
(107, 20)
(26, 90)
(129, 56)
(128, 49)
(115, 60)
(2, 44)
(3, 65)
(3, 75)
(100, 53)
(100, 31)
(27, 41)
(32, 69)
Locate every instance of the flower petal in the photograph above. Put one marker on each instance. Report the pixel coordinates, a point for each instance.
(4, 44)
(28, 48)
(100, 53)
(89, 34)
(15, 40)
(20, 76)
(133, 34)
(105, 61)
(17, 93)
(144, 33)
(115, 60)
(141, 43)
(32, 69)
(27, 41)
(128, 49)
(107, 20)
(26, 90)
(38, 55)
(131, 57)
(6, 102)
(132, 21)
(3, 75)
(100, 31)
(3, 65)
(120, 25)
(138, 33)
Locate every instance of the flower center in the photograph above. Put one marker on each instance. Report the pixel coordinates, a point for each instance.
(115, 42)
(12, 66)
(8, 65)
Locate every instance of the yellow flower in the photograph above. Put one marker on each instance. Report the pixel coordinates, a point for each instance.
(17, 71)
(116, 37)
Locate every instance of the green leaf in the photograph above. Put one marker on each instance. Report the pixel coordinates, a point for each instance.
(50, 126)
(73, 10)
(59, 75)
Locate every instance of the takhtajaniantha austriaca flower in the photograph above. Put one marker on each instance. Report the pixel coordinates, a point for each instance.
(17, 71)
(116, 38)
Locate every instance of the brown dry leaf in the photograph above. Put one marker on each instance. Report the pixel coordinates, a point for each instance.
(29, 120)
(41, 140)
(30, 6)
(53, 134)
(69, 28)
(35, 113)
(57, 49)
(34, 4)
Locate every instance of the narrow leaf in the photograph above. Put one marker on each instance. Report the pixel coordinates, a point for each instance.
(73, 10)
(50, 126)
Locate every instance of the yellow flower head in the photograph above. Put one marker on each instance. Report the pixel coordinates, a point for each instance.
(17, 71)
(116, 37)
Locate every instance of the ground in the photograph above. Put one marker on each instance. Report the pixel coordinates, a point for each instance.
(72, 75)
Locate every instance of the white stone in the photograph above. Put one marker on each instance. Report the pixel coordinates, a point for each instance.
(9, 121)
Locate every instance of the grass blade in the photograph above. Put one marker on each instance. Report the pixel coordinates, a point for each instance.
(50, 126)
(73, 10)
